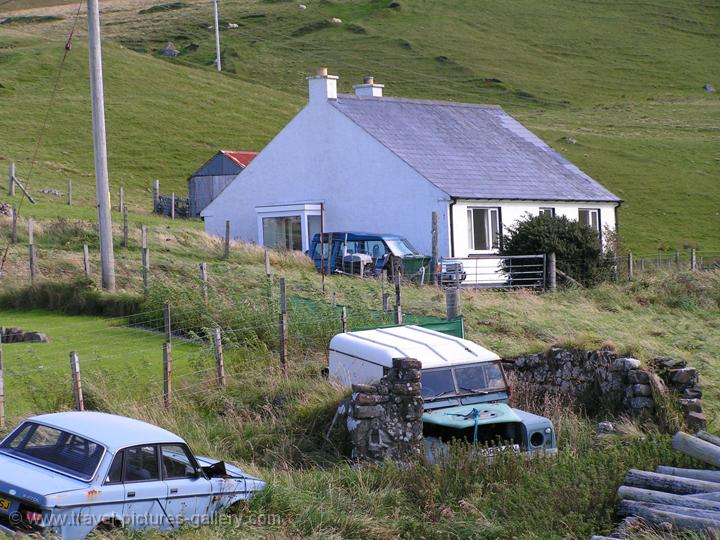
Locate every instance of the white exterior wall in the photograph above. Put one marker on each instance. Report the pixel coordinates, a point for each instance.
(513, 211)
(322, 156)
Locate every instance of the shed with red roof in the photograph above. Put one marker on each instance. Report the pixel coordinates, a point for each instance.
(214, 176)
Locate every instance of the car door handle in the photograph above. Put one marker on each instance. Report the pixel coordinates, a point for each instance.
(173, 490)
(131, 494)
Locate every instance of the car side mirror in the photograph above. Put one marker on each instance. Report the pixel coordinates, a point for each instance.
(198, 474)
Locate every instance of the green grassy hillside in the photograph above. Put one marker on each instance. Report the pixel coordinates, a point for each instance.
(163, 121)
(622, 79)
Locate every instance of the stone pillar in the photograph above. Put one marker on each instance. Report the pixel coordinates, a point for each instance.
(385, 418)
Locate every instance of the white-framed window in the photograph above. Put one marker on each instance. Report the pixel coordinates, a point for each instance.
(282, 232)
(288, 226)
(483, 228)
(590, 217)
(547, 211)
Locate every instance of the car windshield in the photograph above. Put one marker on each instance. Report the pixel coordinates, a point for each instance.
(482, 378)
(59, 450)
(400, 247)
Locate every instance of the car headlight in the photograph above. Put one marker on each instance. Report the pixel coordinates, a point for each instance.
(537, 439)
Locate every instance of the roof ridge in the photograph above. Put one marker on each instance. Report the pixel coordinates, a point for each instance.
(421, 101)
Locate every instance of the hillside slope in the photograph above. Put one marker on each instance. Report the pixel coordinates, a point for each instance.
(623, 80)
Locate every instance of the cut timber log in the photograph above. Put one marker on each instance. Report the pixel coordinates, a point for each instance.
(708, 437)
(668, 483)
(713, 496)
(659, 497)
(697, 474)
(682, 511)
(697, 448)
(656, 516)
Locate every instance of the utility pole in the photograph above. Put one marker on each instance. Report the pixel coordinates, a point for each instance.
(217, 37)
(102, 184)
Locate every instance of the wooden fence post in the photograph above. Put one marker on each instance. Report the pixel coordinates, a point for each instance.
(121, 199)
(126, 227)
(77, 385)
(167, 358)
(172, 206)
(204, 280)
(31, 250)
(283, 328)
(267, 264)
(86, 260)
(693, 263)
(344, 320)
(630, 266)
(219, 362)
(167, 374)
(145, 259)
(398, 300)
(700, 262)
(14, 233)
(657, 261)
(552, 271)
(69, 192)
(11, 179)
(385, 294)
(2, 384)
(226, 255)
(156, 195)
(677, 259)
(435, 251)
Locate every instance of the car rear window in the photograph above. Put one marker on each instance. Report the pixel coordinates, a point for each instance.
(62, 451)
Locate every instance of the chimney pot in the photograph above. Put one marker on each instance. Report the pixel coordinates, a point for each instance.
(322, 86)
(368, 88)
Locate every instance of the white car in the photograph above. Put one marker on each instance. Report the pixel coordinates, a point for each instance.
(71, 473)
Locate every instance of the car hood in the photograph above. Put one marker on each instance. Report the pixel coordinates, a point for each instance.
(32, 482)
(463, 416)
(231, 469)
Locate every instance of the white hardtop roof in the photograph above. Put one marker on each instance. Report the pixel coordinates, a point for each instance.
(433, 349)
(112, 431)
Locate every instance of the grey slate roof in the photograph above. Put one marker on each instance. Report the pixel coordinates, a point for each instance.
(471, 151)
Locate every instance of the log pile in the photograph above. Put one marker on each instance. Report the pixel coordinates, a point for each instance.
(684, 499)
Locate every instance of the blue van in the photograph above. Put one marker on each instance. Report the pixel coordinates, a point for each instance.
(367, 254)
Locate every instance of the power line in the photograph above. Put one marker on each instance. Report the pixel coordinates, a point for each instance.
(50, 107)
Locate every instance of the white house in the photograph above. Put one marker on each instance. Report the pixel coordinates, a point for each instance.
(383, 165)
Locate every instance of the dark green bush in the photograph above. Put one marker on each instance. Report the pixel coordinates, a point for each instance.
(77, 297)
(577, 247)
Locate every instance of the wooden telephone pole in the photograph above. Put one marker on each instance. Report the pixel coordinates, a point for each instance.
(217, 36)
(102, 184)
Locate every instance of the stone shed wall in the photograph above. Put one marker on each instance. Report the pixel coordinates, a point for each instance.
(601, 379)
(385, 418)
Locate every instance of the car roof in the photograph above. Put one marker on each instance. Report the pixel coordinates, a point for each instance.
(112, 431)
(355, 235)
(433, 349)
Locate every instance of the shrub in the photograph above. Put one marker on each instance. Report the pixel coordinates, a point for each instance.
(577, 247)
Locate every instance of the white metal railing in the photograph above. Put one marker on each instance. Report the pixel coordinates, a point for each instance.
(494, 271)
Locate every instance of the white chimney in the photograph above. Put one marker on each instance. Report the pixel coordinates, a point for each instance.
(322, 86)
(369, 88)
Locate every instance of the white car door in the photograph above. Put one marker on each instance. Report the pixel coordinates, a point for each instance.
(145, 491)
(188, 492)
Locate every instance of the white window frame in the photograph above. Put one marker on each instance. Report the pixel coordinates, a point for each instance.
(591, 211)
(301, 210)
(545, 209)
(493, 237)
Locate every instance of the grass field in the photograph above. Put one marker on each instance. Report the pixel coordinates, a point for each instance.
(129, 360)
(622, 79)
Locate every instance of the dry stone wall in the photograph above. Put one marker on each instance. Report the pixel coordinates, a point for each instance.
(384, 419)
(603, 380)
(18, 335)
